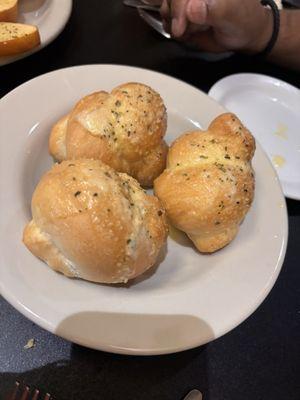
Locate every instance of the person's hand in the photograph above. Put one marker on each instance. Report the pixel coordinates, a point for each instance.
(238, 25)
(218, 25)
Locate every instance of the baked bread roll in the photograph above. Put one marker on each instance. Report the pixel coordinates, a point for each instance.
(208, 186)
(124, 129)
(91, 222)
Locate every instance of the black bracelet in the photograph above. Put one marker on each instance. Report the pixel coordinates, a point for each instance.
(276, 25)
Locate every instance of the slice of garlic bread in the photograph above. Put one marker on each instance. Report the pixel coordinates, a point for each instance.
(17, 38)
(8, 10)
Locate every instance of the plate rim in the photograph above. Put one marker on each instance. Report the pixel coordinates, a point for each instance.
(124, 350)
(219, 84)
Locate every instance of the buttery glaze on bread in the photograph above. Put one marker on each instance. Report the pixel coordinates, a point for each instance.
(124, 129)
(17, 38)
(8, 10)
(91, 222)
(208, 186)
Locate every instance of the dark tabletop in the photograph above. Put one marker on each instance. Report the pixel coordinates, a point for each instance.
(260, 359)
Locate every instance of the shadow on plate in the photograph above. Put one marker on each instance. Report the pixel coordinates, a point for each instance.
(180, 237)
(141, 334)
(69, 371)
(26, 6)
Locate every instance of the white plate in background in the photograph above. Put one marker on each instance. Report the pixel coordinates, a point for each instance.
(187, 301)
(270, 108)
(50, 16)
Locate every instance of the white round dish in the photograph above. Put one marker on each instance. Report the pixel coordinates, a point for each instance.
(189, 299)
(271, 110)
(50, 16)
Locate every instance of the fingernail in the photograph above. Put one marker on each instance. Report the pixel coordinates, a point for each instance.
(197, 11)
(178, 27)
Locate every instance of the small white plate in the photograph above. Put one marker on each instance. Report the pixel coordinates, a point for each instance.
(187, 301)
(271, 110)
(50, 16)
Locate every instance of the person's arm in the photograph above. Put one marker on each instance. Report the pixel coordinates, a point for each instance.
(286, 51)
(242, 26)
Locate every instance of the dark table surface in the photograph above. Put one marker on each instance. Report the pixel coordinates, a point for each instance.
(260, 359)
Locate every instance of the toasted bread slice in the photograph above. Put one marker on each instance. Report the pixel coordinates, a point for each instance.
(8, 10)
(17, 38)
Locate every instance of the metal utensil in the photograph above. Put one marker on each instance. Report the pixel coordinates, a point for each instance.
(140, 5)
(155, 23)
(24, 393)
(193, 395)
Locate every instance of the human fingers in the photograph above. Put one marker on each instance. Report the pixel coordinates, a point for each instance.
(204, 41)
(197, 12)
(178, 13)
(173, 13)
(166, 15)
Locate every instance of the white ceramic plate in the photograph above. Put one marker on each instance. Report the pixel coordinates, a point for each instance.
(50, 16)
(190, 299)
(271, 110)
